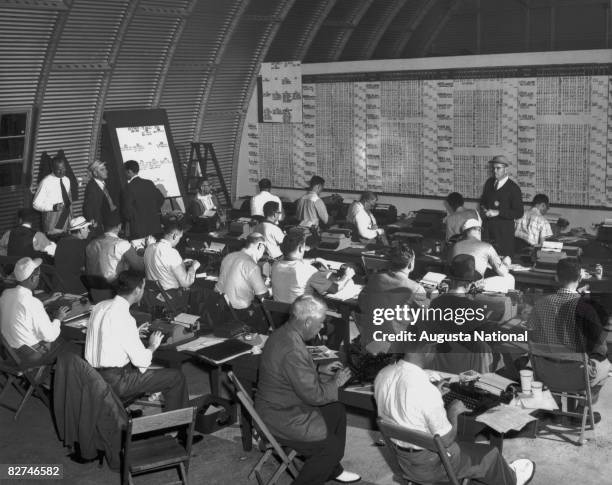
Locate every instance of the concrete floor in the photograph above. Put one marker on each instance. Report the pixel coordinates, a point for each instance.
(219, 458)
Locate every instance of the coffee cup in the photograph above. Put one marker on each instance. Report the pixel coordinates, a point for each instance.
(526, 380)
(536, 389)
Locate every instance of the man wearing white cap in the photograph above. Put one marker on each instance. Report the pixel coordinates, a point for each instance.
(485, 256)
(98, 202)
(24, 322)
(502, 203)
(70, 255)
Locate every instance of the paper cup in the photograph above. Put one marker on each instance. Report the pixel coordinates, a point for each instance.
(536, 389)
(526, 380)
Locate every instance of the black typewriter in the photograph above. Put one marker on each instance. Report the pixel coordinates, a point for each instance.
(476, 400)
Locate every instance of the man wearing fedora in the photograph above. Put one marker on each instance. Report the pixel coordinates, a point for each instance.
(24, 323)
(501, 203)
(485, 257)
(70, 255)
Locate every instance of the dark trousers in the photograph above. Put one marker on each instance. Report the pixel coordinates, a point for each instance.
(480, 462)
(323, 457)
(128, 382)
(500, 233)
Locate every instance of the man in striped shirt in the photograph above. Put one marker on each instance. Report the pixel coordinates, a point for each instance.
(533, 228)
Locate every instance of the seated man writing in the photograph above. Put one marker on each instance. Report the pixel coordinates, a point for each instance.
(484, 255)
(268, 228)
(163, 263)
(363, 221)
(241, 281)
(387, 290)
(533, 228)
(24, 323)
(566, 318)
(109, 254)
(297, 404)
(294, 276)
(113, 346)
(406, 397)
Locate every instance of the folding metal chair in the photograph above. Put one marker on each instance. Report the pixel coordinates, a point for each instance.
(27, 380)
(159, 451)
(267, 441)
(391, 431)
(566, 374)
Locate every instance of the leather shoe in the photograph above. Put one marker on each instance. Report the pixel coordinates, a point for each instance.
(578, 419)
(347, 477)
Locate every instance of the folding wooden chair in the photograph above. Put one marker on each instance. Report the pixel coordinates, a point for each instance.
(267, 441)
(566, 374)
(160, 451)
(276, 312)
(374, 264)
(27, 380)
(433, 443)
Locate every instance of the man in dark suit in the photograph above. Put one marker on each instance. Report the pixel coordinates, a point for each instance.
(99, 201)
(141, 203)
(501, 203)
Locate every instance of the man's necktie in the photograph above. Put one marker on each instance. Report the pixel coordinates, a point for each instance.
(496, 185)
(61, 222)
(111, 205)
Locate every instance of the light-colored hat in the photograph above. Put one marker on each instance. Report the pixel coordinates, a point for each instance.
(25, 267)
(78, 223)
(470, 224)
(502, 160)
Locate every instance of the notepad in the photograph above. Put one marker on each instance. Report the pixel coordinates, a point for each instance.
(224, 351)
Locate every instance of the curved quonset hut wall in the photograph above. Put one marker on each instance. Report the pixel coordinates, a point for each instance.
(69, 60)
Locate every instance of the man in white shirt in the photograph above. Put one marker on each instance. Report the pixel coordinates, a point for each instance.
(273, 235)
(457, 214)
(109, 255)
(294, 276)
(204, 203)
(533, 228)
(54, 200)
(311, 210)
(164, 264)
(241, 281)
(24, 323)
(113, 346)
(363, 221)
(406, 397)
(258, 201)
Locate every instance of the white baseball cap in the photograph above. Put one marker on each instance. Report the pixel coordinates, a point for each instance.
(25, 267)
(78, 223)
(470, 224)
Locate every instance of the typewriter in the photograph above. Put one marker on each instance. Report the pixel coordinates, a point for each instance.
(475, 399)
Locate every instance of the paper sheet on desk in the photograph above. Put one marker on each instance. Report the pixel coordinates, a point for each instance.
(546, 402)
(199, 343)
(518, 267)
(79, 323)
(349, 292)
(503, 418)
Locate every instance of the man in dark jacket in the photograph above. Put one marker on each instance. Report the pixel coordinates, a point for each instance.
(99, 201)
(141, 203)
(22, 240)
(300, 407)
(502, 203)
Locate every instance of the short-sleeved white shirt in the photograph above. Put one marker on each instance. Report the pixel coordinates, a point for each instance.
(273, 236)
(405, 396)
(258, 201)
(291, 279)
(160, 259)
(240, 279)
